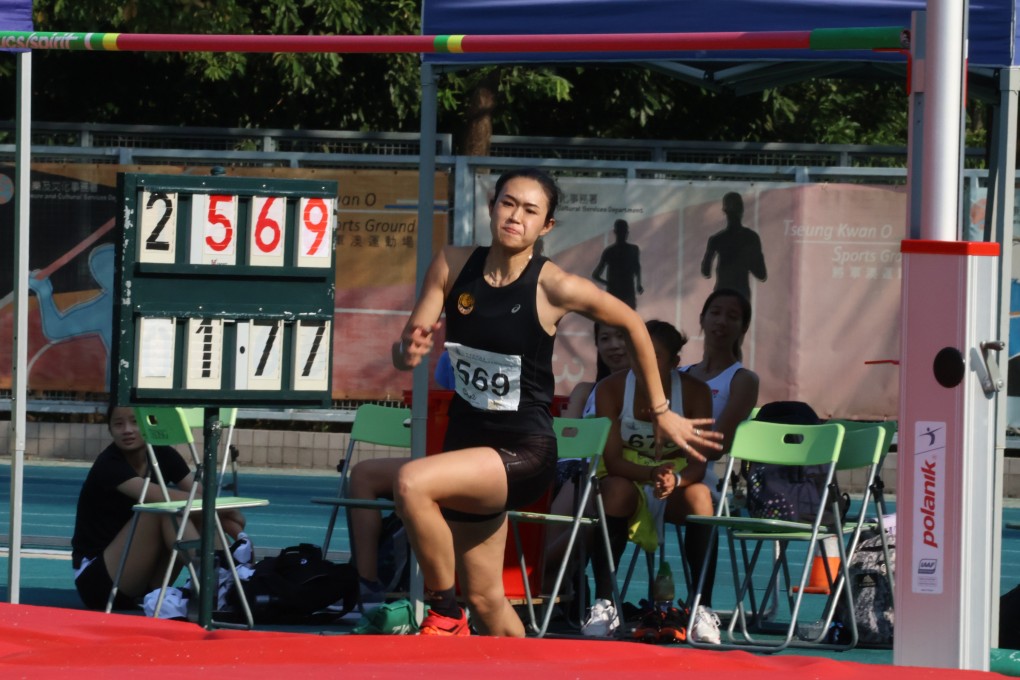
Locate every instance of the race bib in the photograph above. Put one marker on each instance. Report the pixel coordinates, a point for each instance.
(487, 380)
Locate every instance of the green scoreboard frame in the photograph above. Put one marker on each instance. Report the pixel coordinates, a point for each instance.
(225, 291)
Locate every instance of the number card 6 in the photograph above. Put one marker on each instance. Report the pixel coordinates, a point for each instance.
(316, 222)
(268, 231)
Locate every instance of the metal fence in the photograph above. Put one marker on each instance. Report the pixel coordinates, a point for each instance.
(574, 157)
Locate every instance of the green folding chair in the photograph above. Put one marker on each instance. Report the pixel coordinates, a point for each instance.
(585, 439)
(169, 426)
(228, 419)
(778, 444)
(373, 425)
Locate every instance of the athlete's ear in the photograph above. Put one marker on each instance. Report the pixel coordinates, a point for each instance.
(548, 227)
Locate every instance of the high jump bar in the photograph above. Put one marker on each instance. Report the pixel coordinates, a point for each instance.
(878, 38)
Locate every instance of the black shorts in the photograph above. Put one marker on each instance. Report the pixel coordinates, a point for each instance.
(94, 585)
(529, 461)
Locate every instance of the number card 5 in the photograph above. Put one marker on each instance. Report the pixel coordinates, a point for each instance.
(316, 222)
(213, 229)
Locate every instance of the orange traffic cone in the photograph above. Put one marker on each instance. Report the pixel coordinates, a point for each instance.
(818, 582)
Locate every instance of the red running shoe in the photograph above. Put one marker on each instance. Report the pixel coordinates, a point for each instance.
(437, 624)
(674, 626)
(650, 627)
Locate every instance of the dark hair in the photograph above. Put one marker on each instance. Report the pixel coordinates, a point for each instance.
(667, 334)
(552, 192)
(745, 313)
(601, 369)
(109, 411)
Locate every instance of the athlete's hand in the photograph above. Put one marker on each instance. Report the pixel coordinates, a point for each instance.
(684, 432)
(415, 344)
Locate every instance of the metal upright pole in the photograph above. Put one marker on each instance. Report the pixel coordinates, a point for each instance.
(426, 215)
(208, 575)
(19, 363)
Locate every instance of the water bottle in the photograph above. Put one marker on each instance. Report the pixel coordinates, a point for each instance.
(663, 591)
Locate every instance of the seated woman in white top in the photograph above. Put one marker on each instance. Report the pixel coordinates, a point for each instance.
(641, 483)
(725, 318)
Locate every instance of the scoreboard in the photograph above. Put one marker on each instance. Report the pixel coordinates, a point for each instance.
(225, 291)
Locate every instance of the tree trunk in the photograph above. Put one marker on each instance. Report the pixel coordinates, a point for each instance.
(478, 125)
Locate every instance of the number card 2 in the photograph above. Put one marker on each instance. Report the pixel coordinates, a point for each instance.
(155, 353)
(259, 357)
(316, 223)
(312, 344)
(213, 229)
(203, 354)
(268, 231)
(157, 227)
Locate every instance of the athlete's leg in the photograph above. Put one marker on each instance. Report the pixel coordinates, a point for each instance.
(480, 548)
(470, 480)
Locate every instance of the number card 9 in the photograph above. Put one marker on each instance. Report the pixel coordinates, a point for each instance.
(316, 222)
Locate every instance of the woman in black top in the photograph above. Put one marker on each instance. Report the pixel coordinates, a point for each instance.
(103, 520)
(502, 308)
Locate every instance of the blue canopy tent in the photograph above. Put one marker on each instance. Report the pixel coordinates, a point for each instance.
(991, 32)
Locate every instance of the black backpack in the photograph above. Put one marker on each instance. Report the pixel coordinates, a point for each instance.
(299, 586)
(783, 492)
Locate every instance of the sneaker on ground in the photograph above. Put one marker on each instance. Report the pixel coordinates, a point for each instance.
(674, 626)
(706, 626)
(648, 629)
(602, 619)
(242, 550)
(437, 624)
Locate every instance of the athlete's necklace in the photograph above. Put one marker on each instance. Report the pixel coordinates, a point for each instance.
(491, 276)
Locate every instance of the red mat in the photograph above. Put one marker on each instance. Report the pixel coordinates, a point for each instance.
(43, 642)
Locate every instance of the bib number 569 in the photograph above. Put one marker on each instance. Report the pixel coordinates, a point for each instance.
(497, 383)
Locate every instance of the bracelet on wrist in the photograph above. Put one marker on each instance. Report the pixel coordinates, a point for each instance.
(661, 408)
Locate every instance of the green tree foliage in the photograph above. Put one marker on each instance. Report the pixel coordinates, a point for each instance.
(350, 92)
